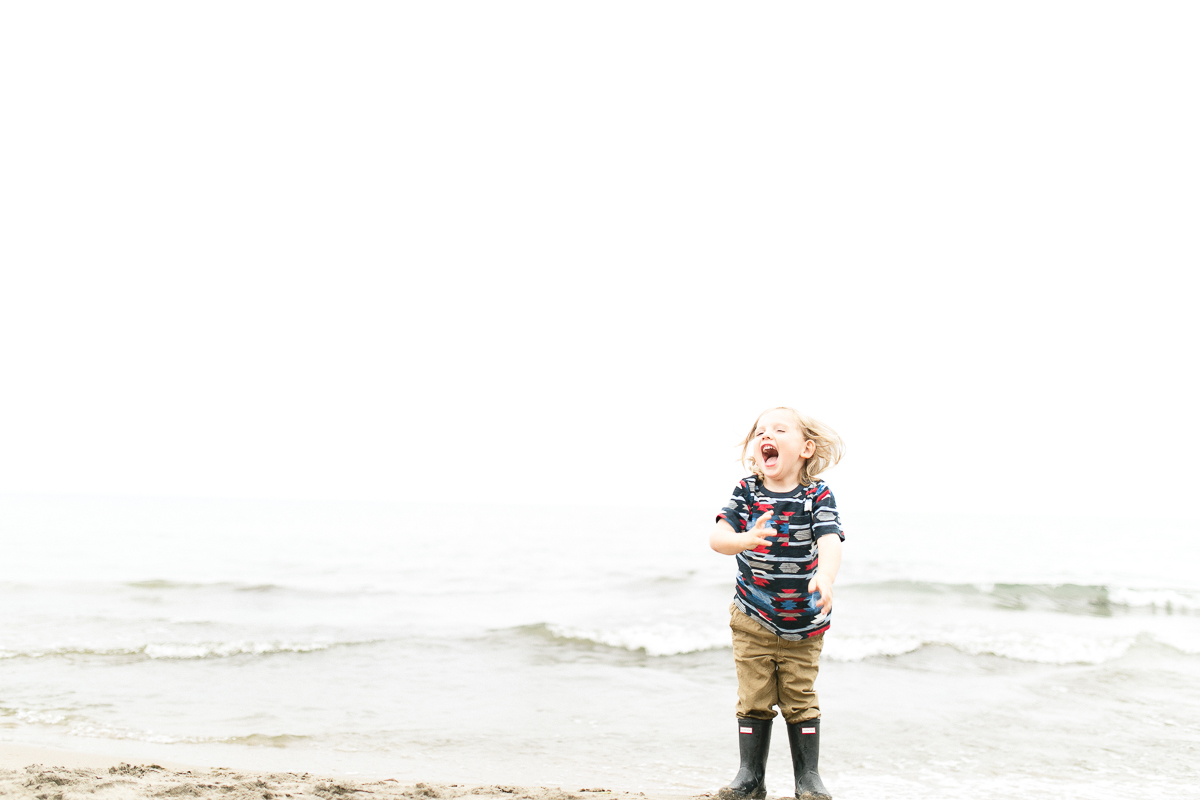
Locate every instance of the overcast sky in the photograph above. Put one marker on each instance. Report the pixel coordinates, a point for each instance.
(452, 251)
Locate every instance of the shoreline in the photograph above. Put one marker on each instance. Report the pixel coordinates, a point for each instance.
(47, 773)
(15, 755)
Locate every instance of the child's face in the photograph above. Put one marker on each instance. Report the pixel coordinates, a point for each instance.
(780, 449)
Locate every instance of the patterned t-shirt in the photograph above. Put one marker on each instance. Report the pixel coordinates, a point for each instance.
(772, 582)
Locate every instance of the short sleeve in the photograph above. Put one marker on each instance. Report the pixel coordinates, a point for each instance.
(736, 512)
(825, 518)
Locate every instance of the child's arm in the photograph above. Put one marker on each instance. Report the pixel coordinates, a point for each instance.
(729, 542)
(829, 559)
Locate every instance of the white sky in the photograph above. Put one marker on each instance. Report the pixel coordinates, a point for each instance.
(458, 251)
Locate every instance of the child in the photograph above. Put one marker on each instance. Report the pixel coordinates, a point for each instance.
(783, 526)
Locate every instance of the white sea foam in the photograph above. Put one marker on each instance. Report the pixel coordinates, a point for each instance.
(76, 726)
(659, 639)
(856, 648)
(1038, 648)
(1048, 649)
(98, 731)
(226, 649)
(666, 639)
(1183, 640)
(176, 650)
(39, 717)
(1155, 598)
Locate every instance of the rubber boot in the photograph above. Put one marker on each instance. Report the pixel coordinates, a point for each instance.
(754, 740)
(805, 739)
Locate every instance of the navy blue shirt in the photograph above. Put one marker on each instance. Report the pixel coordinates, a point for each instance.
(772, 581)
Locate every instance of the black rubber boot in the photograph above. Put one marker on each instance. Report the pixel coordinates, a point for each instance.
(754, 740)
(805, 739)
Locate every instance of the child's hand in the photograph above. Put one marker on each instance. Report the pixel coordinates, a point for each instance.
(824, 584)
(756, 536)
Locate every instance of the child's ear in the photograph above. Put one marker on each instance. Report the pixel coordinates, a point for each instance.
(809, 448)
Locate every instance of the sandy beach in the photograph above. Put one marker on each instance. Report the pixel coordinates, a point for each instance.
(50, 774)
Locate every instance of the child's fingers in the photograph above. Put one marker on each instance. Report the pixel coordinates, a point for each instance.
(757, 541)
(760, 531)
(825, 598)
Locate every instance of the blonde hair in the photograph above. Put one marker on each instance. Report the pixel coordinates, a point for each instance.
(829, 450)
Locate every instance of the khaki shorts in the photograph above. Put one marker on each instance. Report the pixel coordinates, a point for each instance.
(773, 671)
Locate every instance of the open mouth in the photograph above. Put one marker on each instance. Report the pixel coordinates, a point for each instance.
(770, 455)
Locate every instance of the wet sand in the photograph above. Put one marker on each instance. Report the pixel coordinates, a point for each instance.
(48, 774)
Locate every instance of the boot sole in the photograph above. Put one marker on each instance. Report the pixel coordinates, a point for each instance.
(729, 794)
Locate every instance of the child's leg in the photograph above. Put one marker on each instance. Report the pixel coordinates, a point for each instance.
(754, 653)
(797, 673)
(754, 656)
(798, 702)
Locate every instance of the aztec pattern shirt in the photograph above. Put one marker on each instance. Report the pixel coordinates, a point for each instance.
(772, 581)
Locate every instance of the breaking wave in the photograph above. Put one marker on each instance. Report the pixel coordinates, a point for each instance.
(670, 640)
(1166, 599)
(75, 725)
(1034, 649)
(1069, 598)
(181, 650)
(659, 639)
(1007, 637)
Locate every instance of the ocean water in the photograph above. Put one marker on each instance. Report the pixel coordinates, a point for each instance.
(970, 657)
